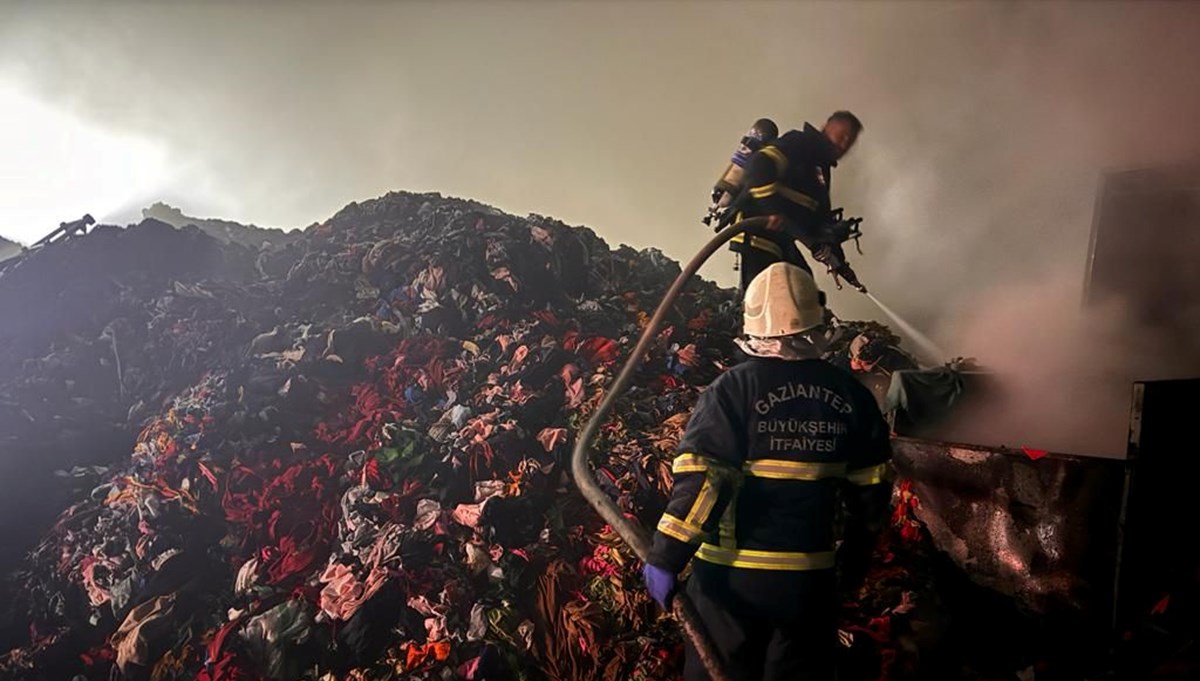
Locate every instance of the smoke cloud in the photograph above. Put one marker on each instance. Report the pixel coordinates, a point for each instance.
(987, 126)
(1063, 373)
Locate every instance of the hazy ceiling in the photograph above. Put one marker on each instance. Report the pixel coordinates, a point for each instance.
(986, 124)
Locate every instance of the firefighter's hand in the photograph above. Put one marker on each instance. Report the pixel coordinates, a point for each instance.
(830, 255)
(824, 255)
(841, 231)
(774, 222)
(848, 274)
(661, 583)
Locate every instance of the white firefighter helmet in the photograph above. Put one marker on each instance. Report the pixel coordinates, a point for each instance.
(782, 300)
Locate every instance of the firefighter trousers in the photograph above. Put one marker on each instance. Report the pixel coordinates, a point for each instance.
(754, 260)
(767, 625)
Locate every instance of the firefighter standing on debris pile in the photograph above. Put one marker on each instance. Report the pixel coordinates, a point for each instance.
(789, 180)
(771, 449)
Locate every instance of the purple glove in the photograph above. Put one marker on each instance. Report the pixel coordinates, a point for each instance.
(660, 583)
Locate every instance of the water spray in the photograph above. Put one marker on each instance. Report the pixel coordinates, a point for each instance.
(928, 347)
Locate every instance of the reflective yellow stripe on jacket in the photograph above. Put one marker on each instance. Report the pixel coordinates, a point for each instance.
(691, 463)
(798, 197)
(760, 243)
(765, 190)
(773, 153)
(872, 475)
(716, 473)
(766, 560)
(779, 469)
(727, 526)
(680, 529)
(727, 552)
(703, 505)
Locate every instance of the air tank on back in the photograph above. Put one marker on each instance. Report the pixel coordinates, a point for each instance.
(763, 132)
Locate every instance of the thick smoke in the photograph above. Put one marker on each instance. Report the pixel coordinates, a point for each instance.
(987, 125)
(1063, 372)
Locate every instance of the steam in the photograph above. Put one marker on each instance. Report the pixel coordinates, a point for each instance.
(1063, 372)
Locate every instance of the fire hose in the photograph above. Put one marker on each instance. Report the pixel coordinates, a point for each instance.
(634, 535)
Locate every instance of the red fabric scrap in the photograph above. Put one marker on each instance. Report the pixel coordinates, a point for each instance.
(208, 475)
(375, 477)
(689, 356)
(552, 437)
(1160, 608)
(98, 654)
(222, 665)
(1034, 454)
(417, 656)
(598, 350)
(547, 316)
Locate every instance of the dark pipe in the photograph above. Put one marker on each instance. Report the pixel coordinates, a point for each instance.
(633, 534)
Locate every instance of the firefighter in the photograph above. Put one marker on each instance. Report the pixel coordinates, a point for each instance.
(772, 448)
(789, 180)
(874, 361)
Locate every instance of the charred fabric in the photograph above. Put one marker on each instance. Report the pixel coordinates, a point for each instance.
(342, 455)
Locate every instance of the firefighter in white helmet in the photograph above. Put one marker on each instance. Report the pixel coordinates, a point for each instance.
(772, 448)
